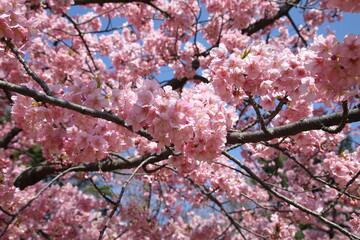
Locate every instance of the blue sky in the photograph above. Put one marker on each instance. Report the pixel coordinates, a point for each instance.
(349, 24)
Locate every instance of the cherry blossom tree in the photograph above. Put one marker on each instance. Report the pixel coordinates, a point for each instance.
(182, 119)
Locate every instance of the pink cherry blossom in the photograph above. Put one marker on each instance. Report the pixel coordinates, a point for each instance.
(178, 120)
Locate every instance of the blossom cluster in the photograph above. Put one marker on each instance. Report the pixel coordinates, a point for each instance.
(267, 71)
(15, 23)
(335, 66)
(343, 168)
(69, 133)
(115, 70)
(196, 122)
(271, 72)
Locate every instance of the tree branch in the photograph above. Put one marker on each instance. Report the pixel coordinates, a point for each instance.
(259, 115)
(81, 35)
(9, 136)
(303, 125)
(333, 203)
(35, 174)
(177, 83)
(26, 66)
(68, 105)
(262, 23)
(103, 195)
(117, 204)
(296, 29)
(342, 124)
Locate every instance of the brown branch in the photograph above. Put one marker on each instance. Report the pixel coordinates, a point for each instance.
(233, 137)
(35, 174)
(101, 193)
(274, 112)
(9, 136)
(303, 167)
(6, 212)
(8, 96)
(232, 220)
(303, 125)
(296, 29)
(343, 120)
(262, 23)
(206, 192)
(177, 83)
(259, 25)
(259, 115)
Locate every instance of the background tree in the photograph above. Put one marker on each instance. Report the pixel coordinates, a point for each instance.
(177, 120)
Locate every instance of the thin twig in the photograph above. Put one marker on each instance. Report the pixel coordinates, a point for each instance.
(7, 213)
(236, 224)
(296, 29)
(284, 151)
(205, 191)
(117, 204)
(261, 206)
(81, 35)
(101, 193)
(274, 112)
(343, 122)
(333, 203)
(26, 66)
(232, 168)
(259, 115)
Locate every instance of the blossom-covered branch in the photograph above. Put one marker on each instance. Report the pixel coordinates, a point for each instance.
(84, 93)
(68, 105)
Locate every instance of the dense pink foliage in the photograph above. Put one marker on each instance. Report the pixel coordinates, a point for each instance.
(123, 68)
